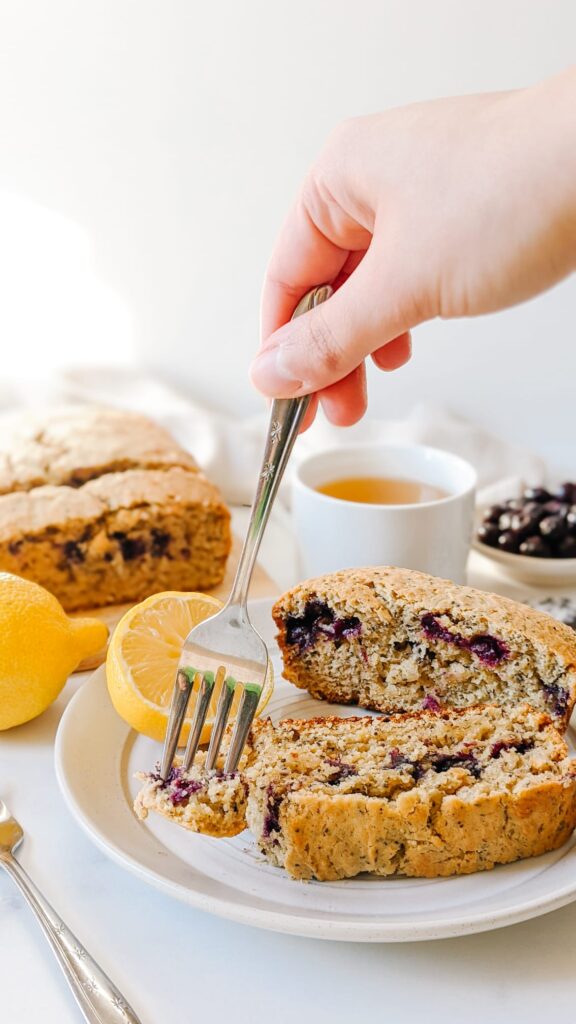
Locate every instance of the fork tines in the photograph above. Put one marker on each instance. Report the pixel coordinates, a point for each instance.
(207, 682)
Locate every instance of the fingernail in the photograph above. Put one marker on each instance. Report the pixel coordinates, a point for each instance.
(270, 376)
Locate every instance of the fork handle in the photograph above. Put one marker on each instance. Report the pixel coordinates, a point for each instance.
(286, 418)
(97, 997)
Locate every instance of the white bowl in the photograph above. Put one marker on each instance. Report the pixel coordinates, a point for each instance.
(559, 572)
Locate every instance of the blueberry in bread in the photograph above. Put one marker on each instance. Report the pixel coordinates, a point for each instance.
(101, 507)
(425, 794)
(398, 640)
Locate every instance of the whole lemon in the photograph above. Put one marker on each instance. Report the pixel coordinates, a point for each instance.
(39, 648)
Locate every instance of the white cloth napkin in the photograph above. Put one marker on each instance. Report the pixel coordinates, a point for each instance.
(230, 449)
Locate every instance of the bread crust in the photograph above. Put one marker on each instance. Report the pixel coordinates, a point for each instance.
(330, 838)
(71, 444)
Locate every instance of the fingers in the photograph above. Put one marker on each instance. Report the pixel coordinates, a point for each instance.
(319, 243)
(394, 354)
(325, 345)
(345, 402)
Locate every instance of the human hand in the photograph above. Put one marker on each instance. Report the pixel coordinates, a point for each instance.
(450, 208)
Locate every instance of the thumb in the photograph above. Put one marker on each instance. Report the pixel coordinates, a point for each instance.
(323, 346)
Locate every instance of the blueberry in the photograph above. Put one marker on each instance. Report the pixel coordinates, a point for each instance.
(493, 513)
(398, 760)
(319, 620)
(567, 547)
(566, 492)
(505, 521)
(553, 528)
(73, 552)
(534, 510)
(539, 494)
(536, 547)
(513, 504)
(344, 771)
(554, 507)
(488, 533)
(132, 547)
(160, 542)
(434, 629)
(522, 524)
(488, 649)
(520, 746)
(557, 696)
(571, 518)
(463, 759)
(272, 817)
(509, 541)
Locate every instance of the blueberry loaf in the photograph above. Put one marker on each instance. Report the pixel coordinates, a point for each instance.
(425, 794)
(397, 640)
(106, 508)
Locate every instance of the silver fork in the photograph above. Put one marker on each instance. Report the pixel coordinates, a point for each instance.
(97, 997)
(225, 652)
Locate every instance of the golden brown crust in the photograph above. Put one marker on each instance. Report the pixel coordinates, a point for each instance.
(390, 664)
(75, 443)
(330, 838)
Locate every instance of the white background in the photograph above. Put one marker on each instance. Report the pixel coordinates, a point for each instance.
(148, 153)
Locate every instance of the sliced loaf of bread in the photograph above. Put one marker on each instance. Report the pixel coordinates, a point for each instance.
(424, 794)
(397, 640)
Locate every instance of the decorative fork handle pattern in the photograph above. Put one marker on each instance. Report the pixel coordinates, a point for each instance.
(97, 997)
(285, 420)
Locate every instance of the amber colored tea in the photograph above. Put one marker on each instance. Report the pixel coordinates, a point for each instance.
(381, 490)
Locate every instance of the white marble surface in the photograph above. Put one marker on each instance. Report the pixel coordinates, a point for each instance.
(175, 963)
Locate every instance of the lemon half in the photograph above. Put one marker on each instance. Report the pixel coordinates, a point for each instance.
(143, 658)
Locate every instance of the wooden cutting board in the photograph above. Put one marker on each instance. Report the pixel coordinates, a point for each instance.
(262, 586)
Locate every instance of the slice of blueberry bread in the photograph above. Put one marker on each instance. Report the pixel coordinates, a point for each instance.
(424, 794)
(213, 803)
(397, 640)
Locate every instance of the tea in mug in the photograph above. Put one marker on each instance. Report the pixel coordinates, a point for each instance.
(382, 490)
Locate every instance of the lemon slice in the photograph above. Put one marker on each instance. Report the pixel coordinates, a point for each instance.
(143, 657)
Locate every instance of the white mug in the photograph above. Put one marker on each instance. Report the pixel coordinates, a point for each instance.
(433, 536)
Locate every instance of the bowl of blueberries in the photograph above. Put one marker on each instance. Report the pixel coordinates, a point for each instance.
(533, 536)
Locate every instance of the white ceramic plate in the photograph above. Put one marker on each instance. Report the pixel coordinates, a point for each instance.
(97, 755)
